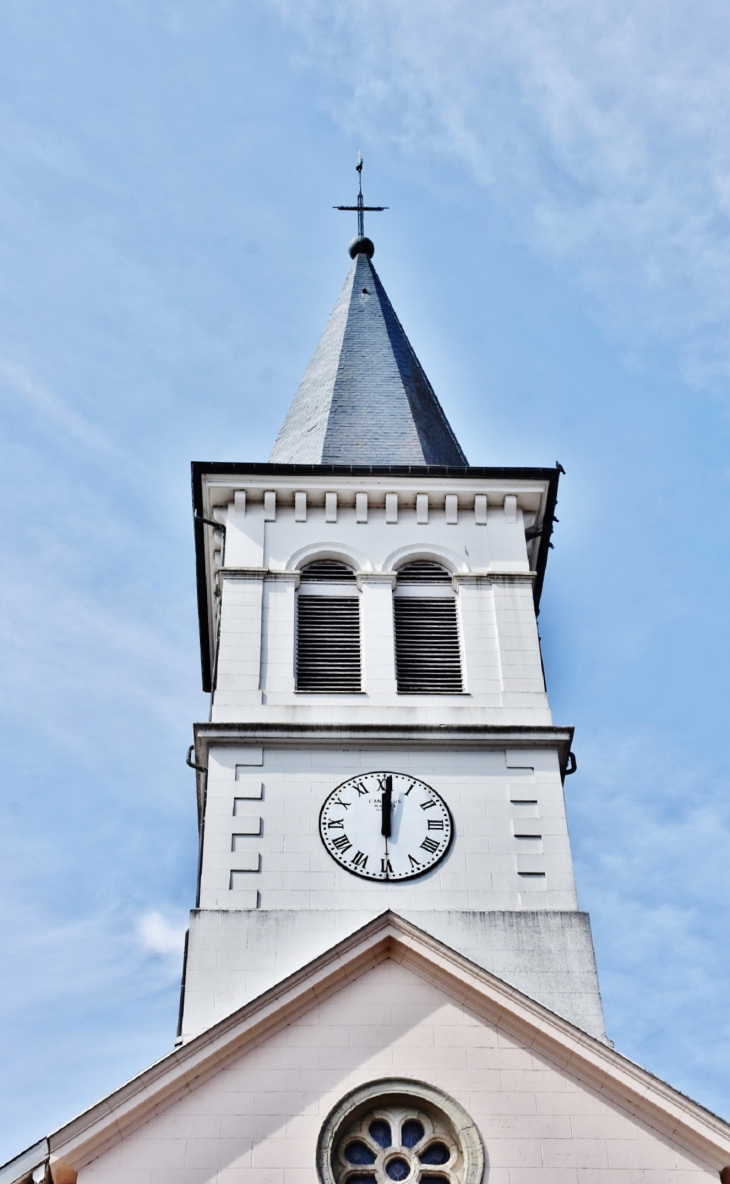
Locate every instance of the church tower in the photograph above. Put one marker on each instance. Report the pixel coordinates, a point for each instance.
(380, 736)
(387, 977)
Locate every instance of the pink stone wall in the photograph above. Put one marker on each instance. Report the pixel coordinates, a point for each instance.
(257, 1120)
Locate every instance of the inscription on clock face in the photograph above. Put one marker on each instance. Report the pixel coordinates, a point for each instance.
(385, 826)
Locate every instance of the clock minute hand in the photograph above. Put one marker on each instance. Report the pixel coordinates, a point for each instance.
(387, 804)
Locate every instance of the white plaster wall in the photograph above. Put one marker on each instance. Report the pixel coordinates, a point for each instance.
(507, 547)
(267, 859)
(378, 539)
(244, 534)
(500, 649)
(480, 642)
(277, 658)
(239, 655)
(519, 648)
(377, 639)
(290, 868)
(234, 956)
(256, 1121)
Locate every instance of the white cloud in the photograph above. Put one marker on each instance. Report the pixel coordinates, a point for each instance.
(598, 129)
(17, 382)
(160, 934)
(650, 829)
(76, 660)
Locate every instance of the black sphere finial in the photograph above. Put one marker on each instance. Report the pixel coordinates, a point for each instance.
(361, 246)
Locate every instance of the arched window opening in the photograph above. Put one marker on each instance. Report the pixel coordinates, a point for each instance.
(427, 652)
(327, 571)
(402, 1131)
(422, 571)
(394, 1143)
(328, 630)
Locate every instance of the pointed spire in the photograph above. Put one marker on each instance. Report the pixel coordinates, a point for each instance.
(364, 398)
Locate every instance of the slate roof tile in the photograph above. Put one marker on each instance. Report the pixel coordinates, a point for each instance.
(364, 398)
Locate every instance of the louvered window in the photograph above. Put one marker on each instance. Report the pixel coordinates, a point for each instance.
(423, 572)
(328, 630)
(428, 660)
(327, 571)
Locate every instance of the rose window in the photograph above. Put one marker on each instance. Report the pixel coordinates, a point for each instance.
(400, 1145)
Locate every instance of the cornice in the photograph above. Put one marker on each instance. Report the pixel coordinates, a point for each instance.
(265, 471)
(243, 573)
(475, 578)
(492, 736)
(376, 577)
(259, 573)
(275, 734)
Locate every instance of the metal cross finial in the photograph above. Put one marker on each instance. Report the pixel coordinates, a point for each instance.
(360, 208)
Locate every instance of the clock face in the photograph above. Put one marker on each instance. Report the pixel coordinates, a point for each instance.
(385, 826)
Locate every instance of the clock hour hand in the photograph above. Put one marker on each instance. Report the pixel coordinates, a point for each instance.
(387, 804)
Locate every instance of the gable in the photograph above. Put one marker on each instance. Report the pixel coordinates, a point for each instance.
(257, 1117)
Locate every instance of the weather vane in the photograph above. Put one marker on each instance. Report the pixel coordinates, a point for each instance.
(360, 208)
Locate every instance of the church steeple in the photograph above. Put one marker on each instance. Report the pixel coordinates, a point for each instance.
(365, 398)
(386, 930)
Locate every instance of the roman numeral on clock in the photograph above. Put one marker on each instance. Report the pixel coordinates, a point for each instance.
(378, 812)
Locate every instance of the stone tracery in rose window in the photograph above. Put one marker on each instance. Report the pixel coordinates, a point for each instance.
(397, 1145)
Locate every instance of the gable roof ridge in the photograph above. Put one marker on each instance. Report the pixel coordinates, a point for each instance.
(657, 1104)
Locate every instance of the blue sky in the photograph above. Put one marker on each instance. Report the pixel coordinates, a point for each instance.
(557, 247)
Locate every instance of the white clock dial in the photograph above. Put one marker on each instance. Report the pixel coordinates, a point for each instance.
(385, 826)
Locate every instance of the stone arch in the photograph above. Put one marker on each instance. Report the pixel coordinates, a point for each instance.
(336, 551)
(431, 553)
